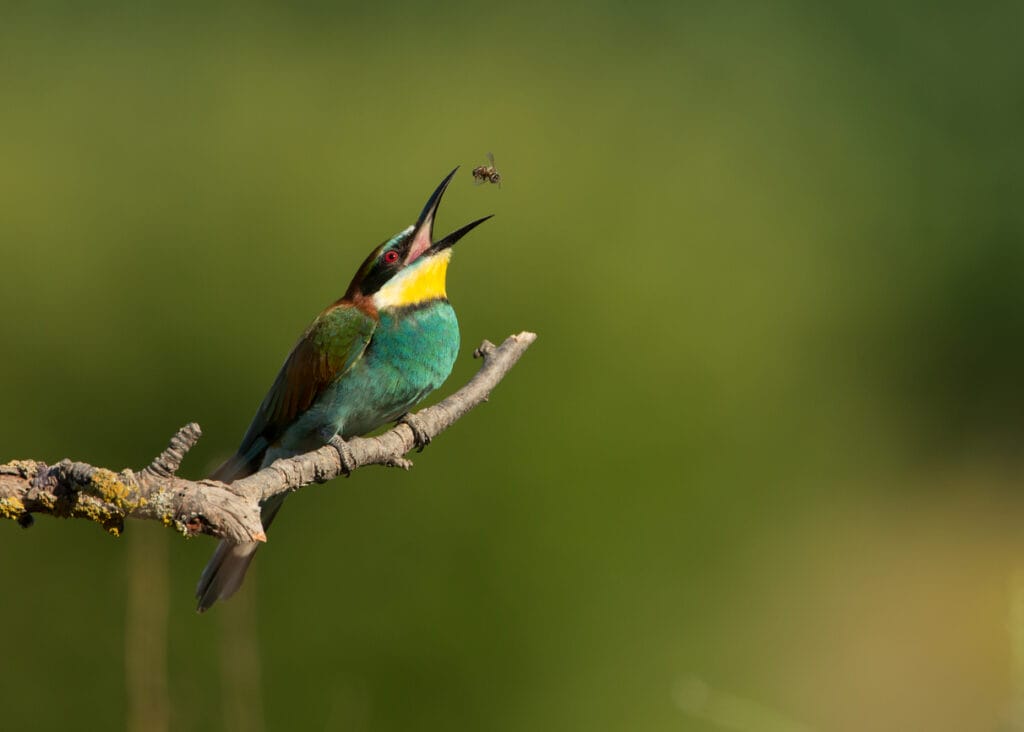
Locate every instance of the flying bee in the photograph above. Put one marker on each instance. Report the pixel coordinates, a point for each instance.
(487, 173)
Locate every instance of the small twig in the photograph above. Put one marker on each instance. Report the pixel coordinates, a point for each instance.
(167, 463)
(79, 490)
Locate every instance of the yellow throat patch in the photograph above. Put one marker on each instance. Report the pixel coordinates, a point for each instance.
(424, 280)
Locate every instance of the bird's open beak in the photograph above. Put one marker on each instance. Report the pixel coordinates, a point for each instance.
(422, 236)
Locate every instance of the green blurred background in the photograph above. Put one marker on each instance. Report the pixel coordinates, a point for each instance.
(761, 470)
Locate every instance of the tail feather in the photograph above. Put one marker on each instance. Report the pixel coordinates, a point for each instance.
(224, 573)
(226, 569)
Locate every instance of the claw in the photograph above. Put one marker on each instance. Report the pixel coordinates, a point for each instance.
(419, 430)
(348, 463)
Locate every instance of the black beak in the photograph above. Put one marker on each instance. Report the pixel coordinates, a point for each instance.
(427, 217)
(422, 235)
(457, 234)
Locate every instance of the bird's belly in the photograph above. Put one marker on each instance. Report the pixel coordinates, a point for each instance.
(411, 354)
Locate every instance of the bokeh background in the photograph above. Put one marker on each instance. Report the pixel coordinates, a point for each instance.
(761, 470)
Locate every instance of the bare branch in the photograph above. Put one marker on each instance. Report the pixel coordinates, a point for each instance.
(78, 490)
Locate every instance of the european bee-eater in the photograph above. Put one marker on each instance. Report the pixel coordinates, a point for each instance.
(365, 361)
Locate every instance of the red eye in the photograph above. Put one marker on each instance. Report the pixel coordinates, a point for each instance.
(391, 257)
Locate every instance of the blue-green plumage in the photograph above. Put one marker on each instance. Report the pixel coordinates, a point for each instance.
(411, 354)
(364, 362)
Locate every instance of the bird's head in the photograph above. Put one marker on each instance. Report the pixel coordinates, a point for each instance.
(409, 268)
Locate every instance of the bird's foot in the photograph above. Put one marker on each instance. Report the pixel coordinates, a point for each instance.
(348, 462)
(419, 430)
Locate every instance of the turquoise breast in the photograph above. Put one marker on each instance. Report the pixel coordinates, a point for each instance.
(410, 355)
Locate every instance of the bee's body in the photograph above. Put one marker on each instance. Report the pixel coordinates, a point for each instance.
(487, 173)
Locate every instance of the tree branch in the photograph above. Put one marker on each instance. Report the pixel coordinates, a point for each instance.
(78, 490)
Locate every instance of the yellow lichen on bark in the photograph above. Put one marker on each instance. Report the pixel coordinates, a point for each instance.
(107, 485)
(11, 508)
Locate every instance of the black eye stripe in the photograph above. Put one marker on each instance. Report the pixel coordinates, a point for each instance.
(383, 263)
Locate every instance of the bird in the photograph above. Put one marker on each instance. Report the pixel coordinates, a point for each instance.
(365, 361)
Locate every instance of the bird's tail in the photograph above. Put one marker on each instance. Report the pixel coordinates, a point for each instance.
(224, 572)
(226, 569)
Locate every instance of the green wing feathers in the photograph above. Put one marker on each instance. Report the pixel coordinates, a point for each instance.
(326, 351)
